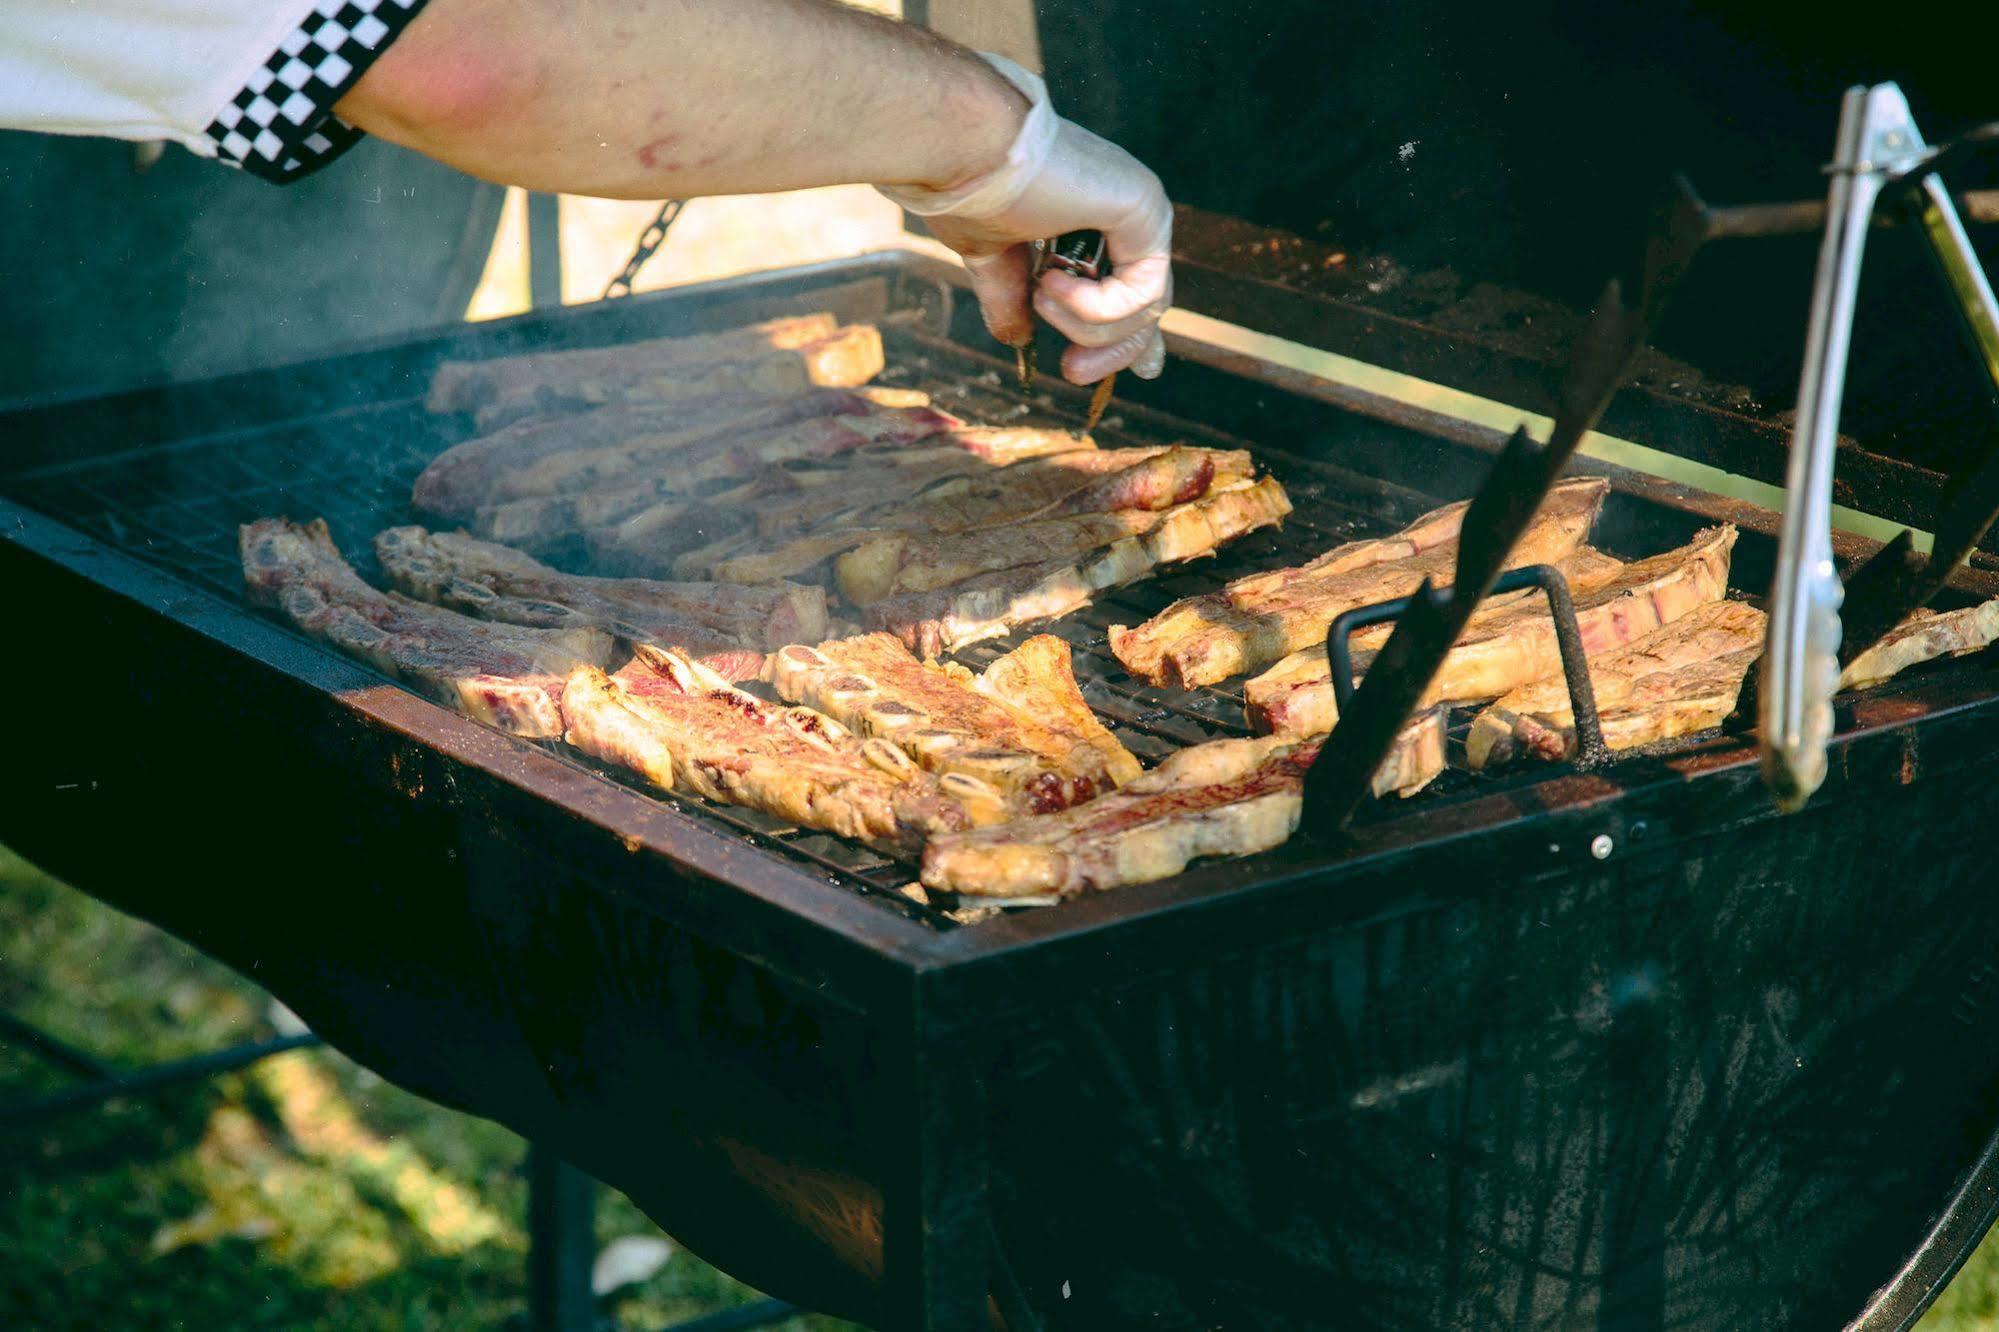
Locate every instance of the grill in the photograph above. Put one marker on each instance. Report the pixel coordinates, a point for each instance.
(1600, 1044)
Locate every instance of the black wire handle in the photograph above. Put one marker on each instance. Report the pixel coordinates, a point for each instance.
(650, 240)
(1590, 746)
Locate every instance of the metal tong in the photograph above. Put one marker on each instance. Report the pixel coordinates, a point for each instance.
(1081, 253)
(1879, 149)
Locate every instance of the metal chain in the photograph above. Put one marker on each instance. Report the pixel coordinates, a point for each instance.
(650, 240)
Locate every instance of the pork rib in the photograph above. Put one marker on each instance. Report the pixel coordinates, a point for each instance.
(950, 720)
(675, 723)
(1223, 798)
(727, 628)
(993, 605)
(845, 358)
(1207, 639)
(465, 477)
(1674, 681)
(1922, 637)
(1514, 642)
(503, 675)
(463, 386)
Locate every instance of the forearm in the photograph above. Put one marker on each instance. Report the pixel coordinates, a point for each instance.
(658, 98)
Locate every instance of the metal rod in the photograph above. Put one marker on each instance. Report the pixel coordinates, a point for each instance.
(544, 251)
(151, 1079)
(562, 1244)
(760, 1314)
(53, 1049)
(1808, 215)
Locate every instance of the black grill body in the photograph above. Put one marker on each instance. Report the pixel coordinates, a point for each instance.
(1552, 1048)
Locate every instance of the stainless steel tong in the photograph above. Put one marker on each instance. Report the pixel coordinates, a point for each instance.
(1879, 149)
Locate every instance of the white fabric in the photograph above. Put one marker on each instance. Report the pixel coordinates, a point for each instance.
(135, 69)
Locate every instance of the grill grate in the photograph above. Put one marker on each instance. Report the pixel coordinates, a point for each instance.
(179, 505)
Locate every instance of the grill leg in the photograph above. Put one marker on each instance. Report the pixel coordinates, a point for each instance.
(938, 1263)
(562, 1244)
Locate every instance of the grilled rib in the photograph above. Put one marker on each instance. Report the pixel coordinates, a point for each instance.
(463, 386)
(463, 478)
(1093, 517)
(1514, 643)
(1255, 622)
(993, 605)
(726, 628)
(845, 358)
(1922, 637)
(675, 723)
(1223, 798)
(1022, 726)
(503, 675)
(1674, 681)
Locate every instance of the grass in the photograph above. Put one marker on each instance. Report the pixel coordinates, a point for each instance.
(304, 1193)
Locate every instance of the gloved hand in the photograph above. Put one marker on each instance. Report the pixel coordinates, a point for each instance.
(1058, 177)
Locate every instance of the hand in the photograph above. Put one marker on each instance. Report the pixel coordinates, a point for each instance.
(1058, 177)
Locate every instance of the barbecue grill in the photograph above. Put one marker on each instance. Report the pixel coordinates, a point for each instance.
(1619, 1047)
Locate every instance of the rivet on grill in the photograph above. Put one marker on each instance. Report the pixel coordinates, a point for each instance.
(1601, 846)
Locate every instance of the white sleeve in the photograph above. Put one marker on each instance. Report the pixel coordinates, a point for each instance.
(252, 82)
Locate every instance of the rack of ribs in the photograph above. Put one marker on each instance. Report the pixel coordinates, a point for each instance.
(501, 674)
(1255, 622)
(728, 628)
(1511, 641)
(684, 728)
(1222, 798)
(1021, 726)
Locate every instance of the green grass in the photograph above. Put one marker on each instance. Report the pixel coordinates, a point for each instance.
(305, 1193)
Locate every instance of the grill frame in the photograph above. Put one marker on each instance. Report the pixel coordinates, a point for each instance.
(474, 812)
(1549, 805)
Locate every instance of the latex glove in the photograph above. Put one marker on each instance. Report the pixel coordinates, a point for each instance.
(1058, 177)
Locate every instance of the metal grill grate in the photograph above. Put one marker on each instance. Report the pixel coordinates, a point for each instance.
(179, 506)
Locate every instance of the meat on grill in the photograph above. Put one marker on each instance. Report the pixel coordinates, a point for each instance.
(948, 541)
(681, 726)
(844, 358)
(1923, 636)
(1022, 726)
(1514, 643)
(504, 675)
(459, 480)
(1674, 681)
(834, 518)
(992, 605)
(1222, 798)
(659, 539)
(463, 386)
(727, 628)
(1257, 622)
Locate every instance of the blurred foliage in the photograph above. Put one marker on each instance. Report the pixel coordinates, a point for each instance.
(303, 1194)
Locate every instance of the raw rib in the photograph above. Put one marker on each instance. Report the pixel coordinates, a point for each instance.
(1923, 636)
(1674, 681)
(666, 718)
(950, 720)
(994, 605)
(1514, 643)
(503, 675)
(727, 628)
(463, 478)
(463, 386)
(846, 358)
(1223, 798)
(1124, 504)
(1208, 639)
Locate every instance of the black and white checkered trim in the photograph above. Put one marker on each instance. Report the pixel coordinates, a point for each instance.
(281, 125)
